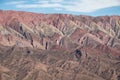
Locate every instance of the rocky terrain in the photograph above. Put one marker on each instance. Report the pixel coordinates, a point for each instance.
(59, 46)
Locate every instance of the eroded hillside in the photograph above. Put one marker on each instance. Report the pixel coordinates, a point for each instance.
(43, 47)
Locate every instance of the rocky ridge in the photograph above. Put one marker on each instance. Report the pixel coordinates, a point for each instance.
(43, 47)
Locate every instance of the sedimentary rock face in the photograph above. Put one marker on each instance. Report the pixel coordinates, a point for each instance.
(59, 47)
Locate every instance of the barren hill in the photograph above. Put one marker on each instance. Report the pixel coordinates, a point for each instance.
(59, 47)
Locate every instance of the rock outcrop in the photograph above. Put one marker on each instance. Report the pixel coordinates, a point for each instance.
(59, 47)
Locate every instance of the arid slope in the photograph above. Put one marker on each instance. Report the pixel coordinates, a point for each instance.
(59, 47)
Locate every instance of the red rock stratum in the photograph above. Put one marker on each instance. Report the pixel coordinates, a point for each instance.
(59, 46)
